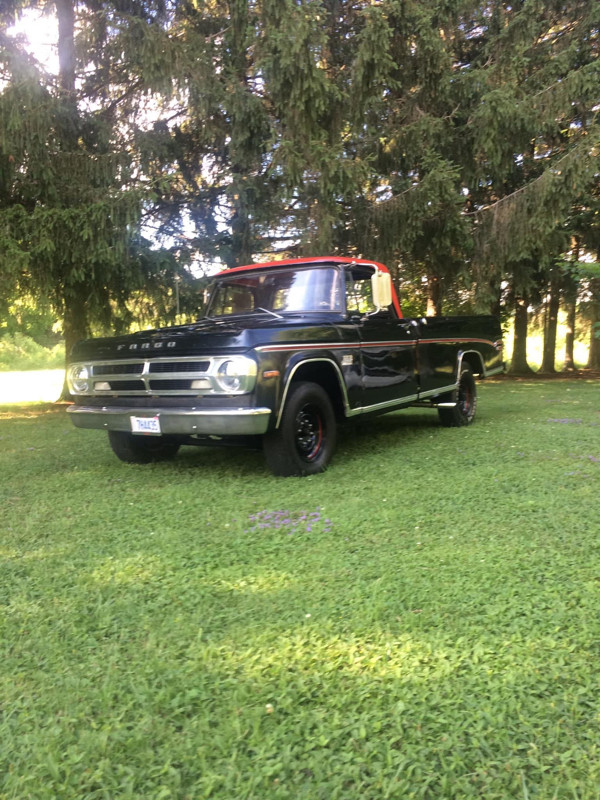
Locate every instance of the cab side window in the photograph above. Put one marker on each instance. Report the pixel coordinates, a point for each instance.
(359, 293)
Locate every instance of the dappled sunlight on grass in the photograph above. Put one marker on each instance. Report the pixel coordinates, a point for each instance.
(30, 410)
(269, 581)
(31, 386)
(38, 554)
(136, 569)
(302, 663)
(319, 651)
(21, 607)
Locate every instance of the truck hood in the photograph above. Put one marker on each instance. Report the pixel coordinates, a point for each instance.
(207, 336)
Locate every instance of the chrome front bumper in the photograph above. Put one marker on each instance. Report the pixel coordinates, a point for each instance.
(218, 421)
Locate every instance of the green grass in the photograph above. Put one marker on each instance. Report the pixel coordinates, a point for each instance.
(435, 634)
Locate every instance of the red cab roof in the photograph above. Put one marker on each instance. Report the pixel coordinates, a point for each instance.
(317, 260)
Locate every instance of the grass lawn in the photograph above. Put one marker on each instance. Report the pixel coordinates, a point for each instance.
(421, 621)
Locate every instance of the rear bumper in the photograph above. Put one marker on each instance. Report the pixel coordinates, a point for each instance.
(218, 421)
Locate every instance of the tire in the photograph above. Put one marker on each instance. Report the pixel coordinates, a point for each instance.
(305, 440)
(465, 397)
(141, 449)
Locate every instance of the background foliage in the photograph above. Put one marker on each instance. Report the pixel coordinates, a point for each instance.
(456, 141)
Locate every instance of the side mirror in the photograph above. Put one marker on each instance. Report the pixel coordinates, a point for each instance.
(381, 283)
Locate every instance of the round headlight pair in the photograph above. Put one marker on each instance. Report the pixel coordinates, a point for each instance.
(78, 377)
(236, 375)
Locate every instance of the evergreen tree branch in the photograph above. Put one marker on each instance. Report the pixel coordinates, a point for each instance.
(550, 172)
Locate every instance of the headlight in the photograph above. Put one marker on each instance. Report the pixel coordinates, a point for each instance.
(236, 375)
(77, 379)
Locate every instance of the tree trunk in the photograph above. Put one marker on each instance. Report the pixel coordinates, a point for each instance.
(594, 354)
(65, 13)
(75, 327)
(570, 291)
(241, 228)
(519, 365)
(434, 296)
(594, 314)
(75, 316)
(570, 306)
(550, 328)
(495, 305)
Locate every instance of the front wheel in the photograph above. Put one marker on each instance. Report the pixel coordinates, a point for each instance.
(465, 399)
(305, 440)
(141, 449)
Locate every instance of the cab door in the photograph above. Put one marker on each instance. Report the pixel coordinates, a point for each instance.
(387, 345)
(387, 348)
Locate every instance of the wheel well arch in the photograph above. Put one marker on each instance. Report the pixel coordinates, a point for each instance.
(473, 359)
(326, 373)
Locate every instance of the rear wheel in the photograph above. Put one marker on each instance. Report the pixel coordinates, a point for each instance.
(305, 440)
(141, 449)
(465, 398)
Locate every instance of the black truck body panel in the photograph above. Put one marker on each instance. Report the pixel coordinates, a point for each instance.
(366, 362)
(382, 361)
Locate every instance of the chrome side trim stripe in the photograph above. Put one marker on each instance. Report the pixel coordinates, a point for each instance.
(441, 390)
(401, 401)
(283, 348)
(275, 348)
(456, 341)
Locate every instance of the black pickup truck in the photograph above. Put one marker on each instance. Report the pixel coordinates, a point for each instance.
(284, 351)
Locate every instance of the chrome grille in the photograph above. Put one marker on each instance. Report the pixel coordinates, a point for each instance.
(118, 369)
(160, 386)
(181, 366)
(127, 386)
(169, 376)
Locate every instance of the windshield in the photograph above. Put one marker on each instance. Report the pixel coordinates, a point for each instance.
(274, 291)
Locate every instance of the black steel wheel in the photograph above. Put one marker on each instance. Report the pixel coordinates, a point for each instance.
(141, 449)
(465, 397)
(305, 440)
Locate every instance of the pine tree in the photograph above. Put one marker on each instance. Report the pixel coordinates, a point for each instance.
(261, 147)
(536, 141)
(453, 140)
(71, 197)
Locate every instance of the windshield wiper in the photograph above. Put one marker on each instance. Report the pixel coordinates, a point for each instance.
(268, 311)
(215, 320)
(239, 314)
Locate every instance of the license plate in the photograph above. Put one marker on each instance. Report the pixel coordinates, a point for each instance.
(145, 425)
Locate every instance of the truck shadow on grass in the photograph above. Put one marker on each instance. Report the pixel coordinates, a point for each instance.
(355, 440)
